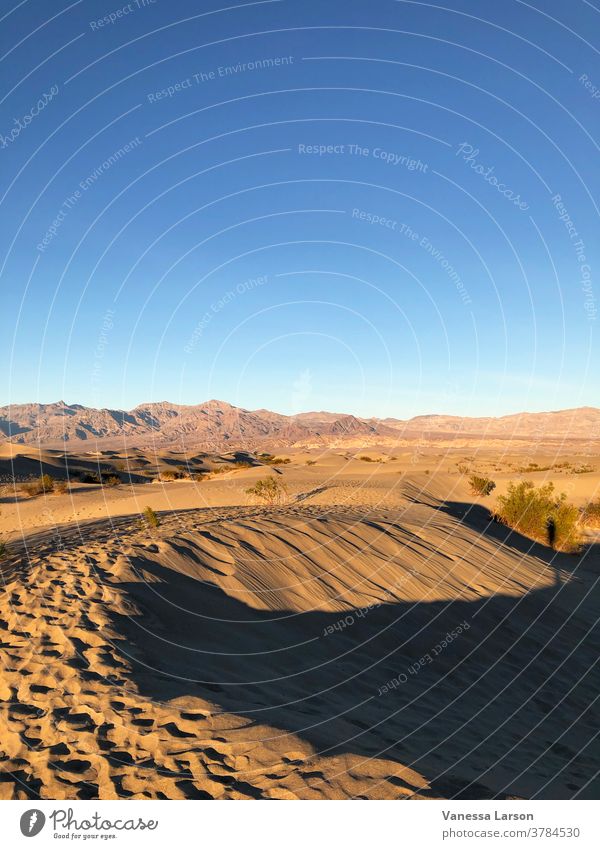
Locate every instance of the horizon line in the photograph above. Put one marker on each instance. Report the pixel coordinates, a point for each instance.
(295, 415)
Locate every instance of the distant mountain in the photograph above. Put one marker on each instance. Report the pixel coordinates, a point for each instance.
(580, 422)
(213, 425)
(217, 426)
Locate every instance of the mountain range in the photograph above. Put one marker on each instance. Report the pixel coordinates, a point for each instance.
(217, 426)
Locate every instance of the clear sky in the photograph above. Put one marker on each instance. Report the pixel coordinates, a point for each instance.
(384, 208)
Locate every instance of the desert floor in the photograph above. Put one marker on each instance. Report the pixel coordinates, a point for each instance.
(377, 636)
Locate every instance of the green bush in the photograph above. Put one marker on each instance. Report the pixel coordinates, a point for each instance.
(480, 485)
(150, 517)
(540, 514)
(268, 490)
(564, 532)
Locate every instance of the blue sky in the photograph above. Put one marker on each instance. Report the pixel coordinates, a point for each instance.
(385, 208)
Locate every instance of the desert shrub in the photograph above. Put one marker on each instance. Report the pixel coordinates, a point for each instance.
(533, 467)
(45, 483)
(540, 514)
(311, 462)
(268, 490)
(563, 529)
(150, 517)
(367, 459)
(243, 464)
(271, 460)
(480, 485)
(3, 550)
(462, 468)
(60, 487)
(168, 475)
(583, 469)
(590, 515)
(89, 477)
(110, 480)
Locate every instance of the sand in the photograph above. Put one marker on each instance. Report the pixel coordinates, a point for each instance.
(375, 637)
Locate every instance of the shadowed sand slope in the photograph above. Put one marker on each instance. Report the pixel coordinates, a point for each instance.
(296, 653)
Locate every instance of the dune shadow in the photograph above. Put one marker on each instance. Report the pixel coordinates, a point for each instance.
(491, 698)
(488, 698)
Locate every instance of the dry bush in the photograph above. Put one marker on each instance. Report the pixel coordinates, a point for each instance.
(45, 483)
(89, 477)
(590, 515)
(110, 480)
(480, 485)
(271, 460)
(540, 514)
(60, 487)
(533, 467)
(268, 490)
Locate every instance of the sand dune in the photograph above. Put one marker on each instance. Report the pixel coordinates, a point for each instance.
(296, 652)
